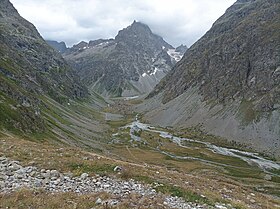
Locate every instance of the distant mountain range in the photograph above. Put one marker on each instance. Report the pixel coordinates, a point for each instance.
(129, 65)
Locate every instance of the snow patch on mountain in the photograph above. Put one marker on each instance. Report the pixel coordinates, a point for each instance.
(177, 56)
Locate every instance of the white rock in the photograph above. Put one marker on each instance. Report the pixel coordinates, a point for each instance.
(54, 173)
(98, 201)
(268, 177)
(106, 186)
(84, 176)
(117, 169)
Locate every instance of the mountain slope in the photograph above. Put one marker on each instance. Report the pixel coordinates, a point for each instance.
(131, 64)
(229, 81)
(30, 69)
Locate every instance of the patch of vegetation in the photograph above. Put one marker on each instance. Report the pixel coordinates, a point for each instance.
(275, 171)
(62, 99)
(18, 119)
(188, 196)
(247, 113)
(8, 112)
(137, 132)
(268, 157)
(101, 169)
(271, 190)
(244, 172)
(38, 137)
(40, 199)
(117, 124)
(144, 179)
(167, 157)
(197, 133)
(276, 179)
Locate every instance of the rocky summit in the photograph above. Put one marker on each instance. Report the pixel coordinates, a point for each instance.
(29, 67)
(129, 65)
(229, 83)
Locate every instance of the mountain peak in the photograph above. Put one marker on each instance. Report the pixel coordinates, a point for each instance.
(139, 32)
(137, 57)
(135, 29)
(139, 24)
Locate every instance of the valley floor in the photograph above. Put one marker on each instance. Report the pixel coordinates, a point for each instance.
(135, 166)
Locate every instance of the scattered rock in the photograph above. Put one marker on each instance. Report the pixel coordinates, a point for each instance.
(54, 173)
(98, 201)
(268, 177)
(252, 201)
(219, 206)
(118, 169)
(84, 176)
(13, 177)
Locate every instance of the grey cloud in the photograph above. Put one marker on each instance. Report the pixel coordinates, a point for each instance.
(177, 21)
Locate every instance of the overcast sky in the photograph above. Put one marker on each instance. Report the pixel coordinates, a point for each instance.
(177, 21)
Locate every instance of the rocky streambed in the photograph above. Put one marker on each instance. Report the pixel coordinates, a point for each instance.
(14, 176)
(253, 159)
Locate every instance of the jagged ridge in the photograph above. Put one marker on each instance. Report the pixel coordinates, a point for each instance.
(131, 64)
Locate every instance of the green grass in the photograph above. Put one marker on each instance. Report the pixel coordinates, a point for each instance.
(272, 191)
(244, 172)
(13, 118)
(144, 179)
(117, 124)
(172, 190)
(188, 196)
(276, 179)
(7, 112)
(38, 137)
(275, 171)
(197, 133)
(8, 65)
(101, 169)
(247, 113)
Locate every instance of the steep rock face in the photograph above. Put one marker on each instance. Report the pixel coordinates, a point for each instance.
(59, 46)
(30, 68)
(232, 74)
(129, 65)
